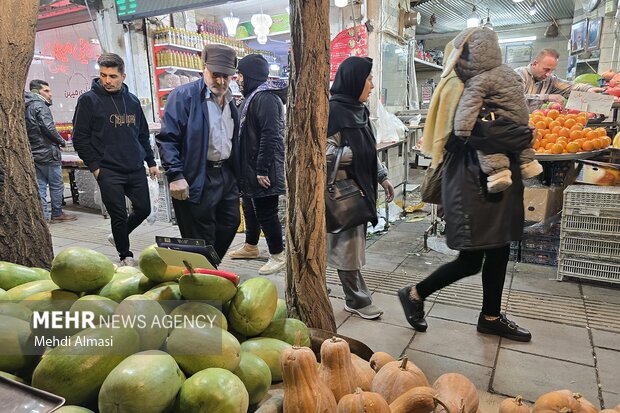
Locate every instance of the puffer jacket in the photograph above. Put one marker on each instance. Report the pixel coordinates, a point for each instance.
(488, 82)
(42, 134)
(262, 146)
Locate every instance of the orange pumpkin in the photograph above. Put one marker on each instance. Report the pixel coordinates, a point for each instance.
(304, 391)
(380, 359)
(515, 405)
(397, 377)
(363, 372)
(585, 405)
(417, 400)
(559, 401)
(363, 402)
(457, 392)
(336, 367)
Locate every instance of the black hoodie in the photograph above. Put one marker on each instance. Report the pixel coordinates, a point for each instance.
(110, 130)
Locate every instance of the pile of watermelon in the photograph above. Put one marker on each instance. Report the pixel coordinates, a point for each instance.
(225, 363)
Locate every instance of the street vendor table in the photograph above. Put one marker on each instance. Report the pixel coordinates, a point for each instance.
(71, 163)
(560, 169)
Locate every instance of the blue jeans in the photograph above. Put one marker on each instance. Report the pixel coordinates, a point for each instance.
(50, 174)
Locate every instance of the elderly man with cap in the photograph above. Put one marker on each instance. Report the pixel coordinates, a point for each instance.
(262, 158)
(199, 149)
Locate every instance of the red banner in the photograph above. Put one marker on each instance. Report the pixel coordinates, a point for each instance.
(349, 42)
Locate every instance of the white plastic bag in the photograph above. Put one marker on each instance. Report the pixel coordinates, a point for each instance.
(388, 127)
(154, 195)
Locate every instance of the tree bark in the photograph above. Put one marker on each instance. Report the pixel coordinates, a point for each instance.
(306, 137)
(24, 236)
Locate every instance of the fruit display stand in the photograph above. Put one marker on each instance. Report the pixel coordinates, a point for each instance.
(20, 398)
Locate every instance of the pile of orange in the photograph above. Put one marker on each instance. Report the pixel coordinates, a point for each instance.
(557, 133)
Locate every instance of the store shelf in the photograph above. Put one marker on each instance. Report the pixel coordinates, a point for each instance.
(424, 66)
(176, 47)
(172, 69)
(588, 60)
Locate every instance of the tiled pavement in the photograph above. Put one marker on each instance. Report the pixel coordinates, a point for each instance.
(575, 325)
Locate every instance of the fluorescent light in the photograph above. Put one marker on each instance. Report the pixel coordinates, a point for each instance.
(474, 19)
(518, 39)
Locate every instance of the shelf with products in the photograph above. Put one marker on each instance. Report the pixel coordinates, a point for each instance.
(425, 66)
(173, 69)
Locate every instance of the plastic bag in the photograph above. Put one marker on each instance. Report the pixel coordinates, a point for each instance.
(154, 195)
(97, 197)
(388, 127)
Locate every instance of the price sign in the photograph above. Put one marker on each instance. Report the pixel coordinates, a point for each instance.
(590, 102)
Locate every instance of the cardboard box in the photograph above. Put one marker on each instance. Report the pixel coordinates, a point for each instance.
(541, 203)
(599, 173)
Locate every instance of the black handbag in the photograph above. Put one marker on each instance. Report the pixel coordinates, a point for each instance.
(346, 205)
(430, 189)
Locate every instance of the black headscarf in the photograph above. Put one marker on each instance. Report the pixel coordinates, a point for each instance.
(349, 116)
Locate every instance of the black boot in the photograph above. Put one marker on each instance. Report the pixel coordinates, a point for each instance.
(414, 309)
(503, 327)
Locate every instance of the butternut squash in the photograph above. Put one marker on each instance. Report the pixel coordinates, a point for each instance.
(417, 400)
(457, 392)
(363, 402)
(337, 368)
(397, 377)
(363, 372)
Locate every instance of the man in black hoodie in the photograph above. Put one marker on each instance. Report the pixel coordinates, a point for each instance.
(111, 135)
(45, 143)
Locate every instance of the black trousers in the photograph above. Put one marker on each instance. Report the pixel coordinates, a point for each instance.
(216, 218)
(114, 186)
(262, 213)
(469, 263)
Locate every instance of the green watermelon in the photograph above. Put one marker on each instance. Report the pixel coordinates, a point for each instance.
(155, 268)
(194, 309)
(123, 285)
(73, 409)
(269, 349)
(167, 294)
(16, 344)
(281, 310)
(144, 382)
(286, 330)
(2, 294)
(12, 275)
(16, 310)
(588, 78)
(149, 317)
(207, 287)
(81, 269)
(25, 290)
(198, 348)
(98, 305)
(77, 371)
(55, 300)
(255, 375)
(253, 307)
(45, 274)
(213, 390)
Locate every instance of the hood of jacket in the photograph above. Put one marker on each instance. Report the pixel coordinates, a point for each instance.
(33, 98)
(480, 52)
(98, 88)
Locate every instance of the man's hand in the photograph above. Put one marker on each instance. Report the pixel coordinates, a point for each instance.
(154, 172)
(597, 90)
(388, 188)
(263, 181)
(556, 98)
(179, 189)
(96, 173)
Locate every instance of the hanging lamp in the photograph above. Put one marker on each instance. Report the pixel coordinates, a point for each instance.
(533, 9)
(231, 23)
(473, 19)
(488, 23)
(341, 3)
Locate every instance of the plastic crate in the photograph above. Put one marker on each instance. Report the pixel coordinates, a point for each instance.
(541, 243)
(591, 248)
(581, 268)
(592, 196)
(540, 257)
(554, 173)
(593, 225)
(514, 251)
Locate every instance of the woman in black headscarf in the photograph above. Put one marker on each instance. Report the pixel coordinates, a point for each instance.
(349, 127)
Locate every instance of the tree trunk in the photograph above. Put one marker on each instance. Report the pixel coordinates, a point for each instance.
(306, 137)
(24, 236)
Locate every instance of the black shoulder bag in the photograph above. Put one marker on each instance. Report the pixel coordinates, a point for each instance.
(346, 205)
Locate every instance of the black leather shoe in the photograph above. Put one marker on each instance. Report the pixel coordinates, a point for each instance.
(503, 327)
(414, 309)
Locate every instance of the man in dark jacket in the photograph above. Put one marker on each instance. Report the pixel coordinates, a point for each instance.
(45, 143)
(199, 148)
(262, 159)
(111, 136)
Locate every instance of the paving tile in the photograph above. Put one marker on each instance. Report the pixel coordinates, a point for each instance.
(606, 339)
(434, 365)
(540, 282)
(377, 335)
(536, 269)
(606, 294)
(464, 342)
(611, 399)
(453, 312)
(489, 403)
(392, 310)
(63, 242)
(400, 249)
(554, 340)
(378, 261)
(531, 376)
(339, 314)
(608, 368)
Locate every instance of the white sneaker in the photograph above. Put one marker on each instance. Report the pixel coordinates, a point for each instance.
(127, 262)
(370, 312)
(247, 252)
(276, 263)
(111, 240)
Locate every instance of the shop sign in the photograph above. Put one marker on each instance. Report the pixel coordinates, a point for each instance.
(64, 53)
(281, 24)
(349, 42)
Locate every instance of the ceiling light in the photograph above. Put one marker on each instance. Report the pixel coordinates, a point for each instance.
(261, 23)
(231, 23)
(341, 3)
(518, 39)
(488, 23)
(533, 8)
(473, 19)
